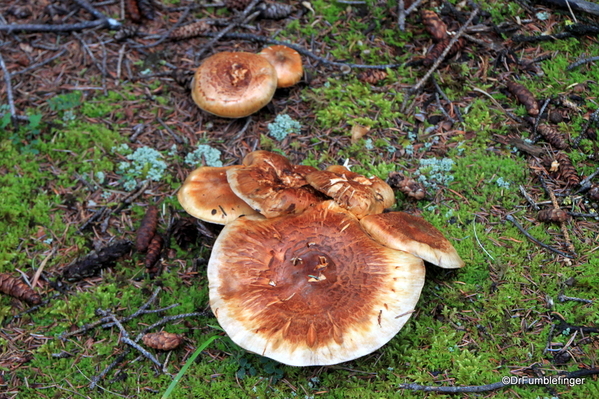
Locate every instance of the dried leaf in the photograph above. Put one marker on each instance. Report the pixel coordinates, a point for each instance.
(17, 288)
(357, 132)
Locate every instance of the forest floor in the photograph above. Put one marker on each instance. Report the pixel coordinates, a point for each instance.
(97, 124)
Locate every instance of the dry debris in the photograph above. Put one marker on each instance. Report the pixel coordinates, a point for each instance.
(97, 260)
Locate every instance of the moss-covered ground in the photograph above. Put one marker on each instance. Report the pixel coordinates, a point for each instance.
(76, 153)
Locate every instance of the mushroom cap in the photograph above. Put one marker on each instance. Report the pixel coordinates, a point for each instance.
(287, 62)
(233, 85)
(405, 232)
(353, 191)
(312, 288)
(272, 185)
(206, 195)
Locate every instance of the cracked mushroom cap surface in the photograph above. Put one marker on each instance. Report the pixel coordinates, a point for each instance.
(287, 63)
(353, 191)
(272, 185)
(206, 195)
(233, 85)
(413, 234)
(310, 289)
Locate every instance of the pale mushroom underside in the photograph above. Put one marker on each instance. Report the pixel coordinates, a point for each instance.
(310, 289)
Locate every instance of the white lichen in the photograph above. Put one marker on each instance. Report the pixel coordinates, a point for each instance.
(282, 126)
(204, 154)
(146, 164)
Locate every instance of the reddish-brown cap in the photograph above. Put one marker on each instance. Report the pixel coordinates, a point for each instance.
(287, 63)
(272, 185)
(360, 195)
(405, 232)
(312, 288)
(206, 195)
(234, 85)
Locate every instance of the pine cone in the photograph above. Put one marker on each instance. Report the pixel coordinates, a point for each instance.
(154, 252)
(593, 193)
(434, 25)
(162, 340)
(132, 9)
(275, 10)
(566, 169)
(525, 97)
(126, 32)
(552, 136)
(553, 215)
(15, 287)
(372, 76)
(237, 5)
(183, 78)
(190, 30)
(438, 49)
(147, 229)
(146, 9)
(185, 232)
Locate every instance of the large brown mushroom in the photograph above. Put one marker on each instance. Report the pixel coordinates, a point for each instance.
(287, 63)
(272, 185)
(353, 191)
(206, 195)
(234, 85)
(405, 232)
(312, 288)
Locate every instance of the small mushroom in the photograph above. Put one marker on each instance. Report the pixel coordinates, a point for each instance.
(272, 185)
(405, 232)
(206, 195)
(312, 288)
(287, 63)
(234, 85)
(360, 195)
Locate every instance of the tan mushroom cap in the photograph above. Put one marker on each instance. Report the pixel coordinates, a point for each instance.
(272, 185)
(405, 232)
(234, 85)
(206, 195)
(353, 191)
(287, 62)
(310, 289)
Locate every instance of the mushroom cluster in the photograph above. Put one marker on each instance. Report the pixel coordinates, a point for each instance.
(314, 273)
(237, 84)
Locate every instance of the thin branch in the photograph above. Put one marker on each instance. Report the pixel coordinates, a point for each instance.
(98, 23)
(9, 94)
(243, 17)
(299, 49)
(441, 58)
(531, 238)
(471, 388)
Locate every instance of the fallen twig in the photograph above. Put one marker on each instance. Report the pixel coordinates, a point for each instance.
(459, 389)
(564, 298)
(531, 238)
(242, 18)
(441, 58)
(9, 93)
(107, 23)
